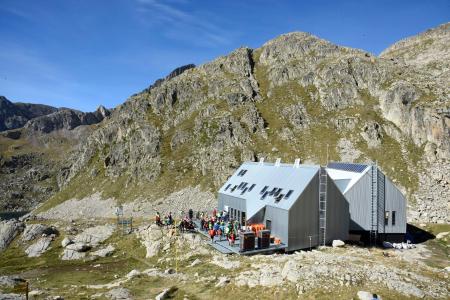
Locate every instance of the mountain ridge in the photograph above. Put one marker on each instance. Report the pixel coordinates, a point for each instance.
(295, 96)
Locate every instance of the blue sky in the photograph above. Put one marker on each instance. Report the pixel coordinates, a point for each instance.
(82, 53)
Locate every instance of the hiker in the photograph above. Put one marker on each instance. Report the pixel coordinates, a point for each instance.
(158, 219)
(212, 233)
(170, 219)
(191, 214)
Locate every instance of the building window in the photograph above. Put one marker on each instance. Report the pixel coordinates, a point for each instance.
(393, 218)
(227, 187)
(242, 172)
(264, 189)
(386, 218)
(251, 187)
(288, 194)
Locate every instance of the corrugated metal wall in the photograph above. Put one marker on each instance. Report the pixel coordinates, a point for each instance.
(359, 199)
(234, 202)
(304, 217)
(279, 222)
(395, 201)
(338, 216)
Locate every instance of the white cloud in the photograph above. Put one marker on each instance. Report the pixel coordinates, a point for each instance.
(178, 24)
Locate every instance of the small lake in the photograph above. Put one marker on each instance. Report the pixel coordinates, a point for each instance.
(7, 215)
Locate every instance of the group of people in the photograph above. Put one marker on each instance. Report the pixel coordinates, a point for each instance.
(185, 224)
(167, 221)
(219, 224)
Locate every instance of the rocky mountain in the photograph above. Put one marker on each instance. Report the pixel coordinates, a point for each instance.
(295, 96)
(31, 156)
(16, 115)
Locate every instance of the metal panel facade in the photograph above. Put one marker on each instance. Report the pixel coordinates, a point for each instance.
(359, 199)
(230, 201)
(395, 201)
(279, 219)
(338, 216)
(304, 218)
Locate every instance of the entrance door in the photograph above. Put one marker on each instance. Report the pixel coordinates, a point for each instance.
(269, 224)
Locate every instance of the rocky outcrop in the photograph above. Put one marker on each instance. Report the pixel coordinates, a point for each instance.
(39, 247)
(8, 231)
(33, 231)
(16, 115)
(94, 235)
(67, 119)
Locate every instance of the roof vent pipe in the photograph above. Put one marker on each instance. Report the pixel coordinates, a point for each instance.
(277, 162)
(261, 161)
(297, 163)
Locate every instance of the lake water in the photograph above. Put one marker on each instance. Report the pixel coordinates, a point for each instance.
(7, 215)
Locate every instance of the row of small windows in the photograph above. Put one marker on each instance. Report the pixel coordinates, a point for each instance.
(386, 218)
(274, 192)
(242, 186)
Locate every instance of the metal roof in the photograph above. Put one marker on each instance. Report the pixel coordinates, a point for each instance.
(345, 176)
(283, 176)
(351, 167)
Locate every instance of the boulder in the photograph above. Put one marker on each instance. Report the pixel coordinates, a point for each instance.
(362, 295)
(119, 294)
(223, 281)
(66, 241)
(105, 251)
(32, 231)
(12, 297)
(195, 262)
(338, 243)
(163, 295)
(8, 231)
(95, 235)
(72, 255)
(291, 271)
(10, 281)
(133, 273)
(38, 247)
(80, 247)
(442, 235)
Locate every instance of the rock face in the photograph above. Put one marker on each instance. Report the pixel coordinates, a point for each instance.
(107, 251)
(67, 119)
(8, 231)
(33, 231)
(295, 96)
(30, 156)
(15, 115)
(93, 236)
(39, 247)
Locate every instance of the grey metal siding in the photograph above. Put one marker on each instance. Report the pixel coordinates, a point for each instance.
(279, 222)
(338, 217)
(395, 201)
(359, 199)
(234, 202)
(304, 217)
